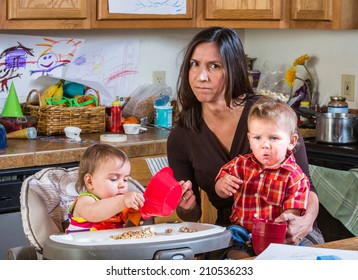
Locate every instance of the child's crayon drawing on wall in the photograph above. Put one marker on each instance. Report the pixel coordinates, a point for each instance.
(57, 54)
(23, 59)
(112, 68)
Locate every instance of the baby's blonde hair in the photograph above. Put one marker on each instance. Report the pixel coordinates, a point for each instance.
(93, 157)
(270, 109)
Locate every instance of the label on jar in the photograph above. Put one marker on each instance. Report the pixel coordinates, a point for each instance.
(337, 109)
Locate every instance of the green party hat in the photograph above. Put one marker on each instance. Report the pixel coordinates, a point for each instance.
(12, 106)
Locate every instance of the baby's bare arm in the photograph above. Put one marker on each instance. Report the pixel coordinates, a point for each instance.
(96, 211)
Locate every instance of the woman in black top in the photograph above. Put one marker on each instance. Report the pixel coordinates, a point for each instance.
(215, 95)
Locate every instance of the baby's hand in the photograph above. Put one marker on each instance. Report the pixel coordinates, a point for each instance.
(133, 200)
(228, 185)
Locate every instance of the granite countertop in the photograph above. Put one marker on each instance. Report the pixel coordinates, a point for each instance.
(47, 150)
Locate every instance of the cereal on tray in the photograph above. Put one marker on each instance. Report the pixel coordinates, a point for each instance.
(144, 233)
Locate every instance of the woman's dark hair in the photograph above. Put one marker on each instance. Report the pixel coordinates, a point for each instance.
(238, 86)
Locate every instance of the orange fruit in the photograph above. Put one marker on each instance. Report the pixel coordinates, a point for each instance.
(80, 98)
(131, 120)
(123, 119)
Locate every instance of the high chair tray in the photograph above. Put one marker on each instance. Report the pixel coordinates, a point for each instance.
(169, 241)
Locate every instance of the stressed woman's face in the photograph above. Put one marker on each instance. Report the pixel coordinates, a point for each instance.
(207, 73)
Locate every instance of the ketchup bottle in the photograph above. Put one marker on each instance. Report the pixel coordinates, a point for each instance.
(116, 114)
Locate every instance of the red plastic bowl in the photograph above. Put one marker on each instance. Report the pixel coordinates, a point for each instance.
(162, 195)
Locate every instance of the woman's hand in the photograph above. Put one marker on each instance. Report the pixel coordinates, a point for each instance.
(228, 185)
(188, 198)
(299, 226)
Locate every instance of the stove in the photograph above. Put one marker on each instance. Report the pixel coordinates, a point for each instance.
(336, 156)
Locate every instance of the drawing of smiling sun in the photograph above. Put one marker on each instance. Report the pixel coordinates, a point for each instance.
(57, 54)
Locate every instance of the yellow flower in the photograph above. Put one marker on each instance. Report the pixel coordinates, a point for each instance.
(301, 60)
(291, 76)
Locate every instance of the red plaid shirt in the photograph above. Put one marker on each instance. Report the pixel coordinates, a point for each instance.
(266, 192)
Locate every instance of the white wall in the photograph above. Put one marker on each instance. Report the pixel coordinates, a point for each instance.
(334, 53)
(159, 49)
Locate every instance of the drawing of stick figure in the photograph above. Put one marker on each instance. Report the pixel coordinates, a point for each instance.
(7, 74)
(46, 63)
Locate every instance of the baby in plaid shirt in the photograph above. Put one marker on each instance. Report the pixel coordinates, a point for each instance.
(268, 181)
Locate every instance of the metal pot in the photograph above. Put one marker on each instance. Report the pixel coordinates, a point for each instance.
(336, 128)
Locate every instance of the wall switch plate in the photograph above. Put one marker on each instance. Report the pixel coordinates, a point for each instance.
(348, 87)
(159, 77)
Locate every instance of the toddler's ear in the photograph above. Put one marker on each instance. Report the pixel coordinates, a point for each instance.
(88, 181)
(293, 141)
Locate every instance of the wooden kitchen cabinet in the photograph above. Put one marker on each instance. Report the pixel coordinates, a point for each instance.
(44, 14)
(317, 14)
(101, 18)
(94, 14)
(324, 14)
(243, 13)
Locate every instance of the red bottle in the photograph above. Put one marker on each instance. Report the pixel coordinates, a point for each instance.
(116, 115)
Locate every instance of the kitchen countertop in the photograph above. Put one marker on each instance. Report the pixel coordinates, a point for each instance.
(47, 150)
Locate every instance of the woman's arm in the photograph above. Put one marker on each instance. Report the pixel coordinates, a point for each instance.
(178, 158)
(300, 226)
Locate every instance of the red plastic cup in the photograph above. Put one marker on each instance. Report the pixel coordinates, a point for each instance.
(264, 232)
(162, 195)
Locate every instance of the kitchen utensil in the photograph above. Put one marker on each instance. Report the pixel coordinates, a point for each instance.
(133, 128)
(158, 126)
(162, 194)
(265, 232)
(336, 128)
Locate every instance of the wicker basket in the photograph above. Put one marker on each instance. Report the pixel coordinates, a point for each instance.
(52, 119)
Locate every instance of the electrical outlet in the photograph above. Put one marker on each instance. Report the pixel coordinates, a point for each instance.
(348, 87)
(159, 77)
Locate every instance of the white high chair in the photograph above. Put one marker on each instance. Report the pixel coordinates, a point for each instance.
(45, 198)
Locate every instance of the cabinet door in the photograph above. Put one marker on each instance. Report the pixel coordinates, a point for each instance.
(243, 9)
(242, 13)
(44, 14)
(102, 18)
(312, 10)
(324, 14)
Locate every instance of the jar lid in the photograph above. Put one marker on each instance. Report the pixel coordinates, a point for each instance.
(305, 103)
(338, 98)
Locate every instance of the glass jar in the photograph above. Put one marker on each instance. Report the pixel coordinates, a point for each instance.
(304, 104)
(337, 104)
